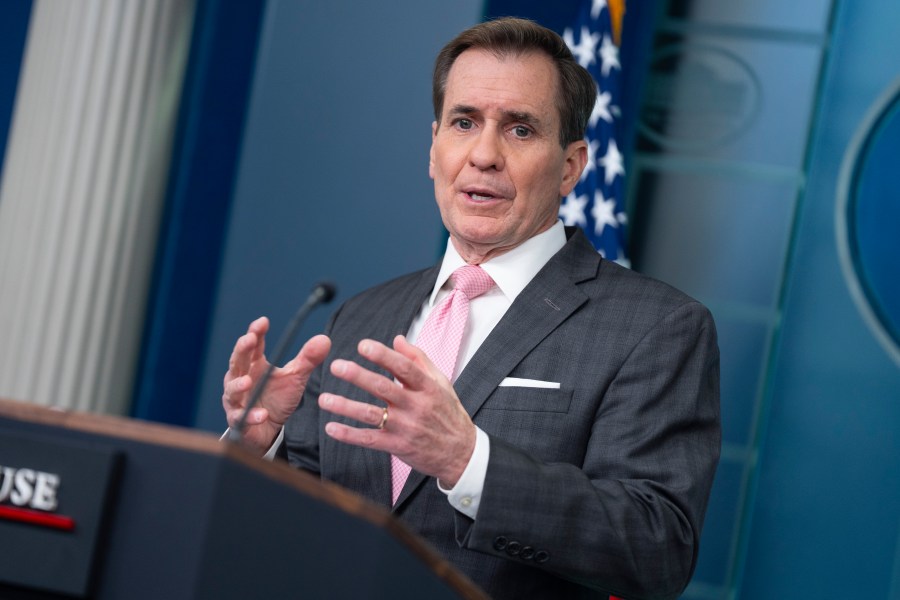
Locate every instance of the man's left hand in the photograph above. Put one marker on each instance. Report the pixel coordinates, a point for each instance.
(427, 426)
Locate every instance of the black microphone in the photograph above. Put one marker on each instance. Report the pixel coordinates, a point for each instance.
(323, 293)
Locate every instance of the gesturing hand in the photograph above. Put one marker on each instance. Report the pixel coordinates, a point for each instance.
(283, 392)
(427, 426)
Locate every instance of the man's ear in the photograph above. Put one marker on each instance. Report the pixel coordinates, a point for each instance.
(576, 158)
(434, 127)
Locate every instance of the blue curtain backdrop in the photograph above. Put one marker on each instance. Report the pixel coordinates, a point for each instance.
(13, 30)
(210, 130)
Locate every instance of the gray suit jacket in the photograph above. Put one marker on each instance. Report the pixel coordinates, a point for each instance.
(599, 485)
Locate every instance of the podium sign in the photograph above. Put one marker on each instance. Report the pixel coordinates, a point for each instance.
(54, 503)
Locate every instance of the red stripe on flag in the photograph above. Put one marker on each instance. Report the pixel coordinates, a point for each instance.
(24, 515)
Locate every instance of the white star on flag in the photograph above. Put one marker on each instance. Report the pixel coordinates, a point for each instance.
(572, 210)
(612, 162)
(586, 48)
(601, 109)
(609, 55)
(604, 213)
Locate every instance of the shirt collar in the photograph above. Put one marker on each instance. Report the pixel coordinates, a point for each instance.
(512, 270)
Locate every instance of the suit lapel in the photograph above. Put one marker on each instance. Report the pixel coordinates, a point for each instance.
(550, 299)
(545, 303)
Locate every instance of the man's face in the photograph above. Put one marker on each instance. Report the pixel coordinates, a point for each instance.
(498, 168)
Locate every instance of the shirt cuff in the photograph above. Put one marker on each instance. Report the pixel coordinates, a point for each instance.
(465, 496)
(273, 449)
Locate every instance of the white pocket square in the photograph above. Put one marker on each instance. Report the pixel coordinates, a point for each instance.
(531, 383)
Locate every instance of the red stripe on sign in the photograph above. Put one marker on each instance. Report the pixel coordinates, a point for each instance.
(23, 515)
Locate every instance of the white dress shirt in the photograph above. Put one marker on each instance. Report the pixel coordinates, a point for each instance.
(511, 271)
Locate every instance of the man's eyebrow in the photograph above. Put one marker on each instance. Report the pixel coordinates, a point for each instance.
(462, 109)
(511, 115)
(523, 117)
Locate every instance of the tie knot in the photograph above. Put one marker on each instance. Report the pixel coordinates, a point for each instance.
(471, 280)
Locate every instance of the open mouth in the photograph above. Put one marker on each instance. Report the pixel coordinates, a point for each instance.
(480, 197)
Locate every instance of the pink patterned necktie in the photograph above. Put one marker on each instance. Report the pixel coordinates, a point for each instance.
(440, 339)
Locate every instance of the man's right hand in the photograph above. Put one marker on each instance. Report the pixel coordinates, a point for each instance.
(283, 392)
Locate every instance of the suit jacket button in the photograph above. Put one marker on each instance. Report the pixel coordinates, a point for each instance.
(541, 556)
(527, 553)
(500, 542)
(513, 548)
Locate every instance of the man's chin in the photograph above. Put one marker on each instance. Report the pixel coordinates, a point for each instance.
(480, 246)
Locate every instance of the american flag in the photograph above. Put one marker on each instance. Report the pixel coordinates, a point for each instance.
(597, 204)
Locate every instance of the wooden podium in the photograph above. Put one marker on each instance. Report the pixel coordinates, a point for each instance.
(113, 508)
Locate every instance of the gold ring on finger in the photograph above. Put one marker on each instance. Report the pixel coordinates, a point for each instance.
(384, 417)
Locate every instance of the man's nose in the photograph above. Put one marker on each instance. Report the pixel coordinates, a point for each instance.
(487, 150)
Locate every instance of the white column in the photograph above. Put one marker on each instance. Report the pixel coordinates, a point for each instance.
(81, 196)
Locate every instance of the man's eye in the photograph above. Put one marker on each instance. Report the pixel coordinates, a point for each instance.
(464, 124)
(521, 131)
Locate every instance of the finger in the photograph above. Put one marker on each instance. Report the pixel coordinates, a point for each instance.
(378, 385)
(412, 352)
(259, 327)
(310, 355)
(235, 391)
(413, 370)
(366, 437)
(245, 348)
(365, 413)
(256, 416)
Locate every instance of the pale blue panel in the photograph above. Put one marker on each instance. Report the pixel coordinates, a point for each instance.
(730, 98)
(743, 344)
(798, 15)
(719, 526)
(718, 237)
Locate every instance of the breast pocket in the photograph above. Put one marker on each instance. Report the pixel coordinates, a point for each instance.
(539, 421)
(529, 399)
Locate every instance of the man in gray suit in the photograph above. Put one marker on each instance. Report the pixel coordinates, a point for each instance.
(572, 446)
